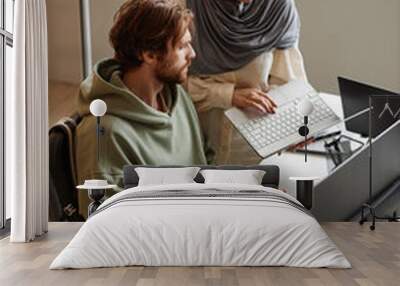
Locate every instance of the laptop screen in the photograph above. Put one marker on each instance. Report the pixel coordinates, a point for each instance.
(355, 98)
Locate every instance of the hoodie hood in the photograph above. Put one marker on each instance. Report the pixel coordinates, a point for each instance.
(105, 83)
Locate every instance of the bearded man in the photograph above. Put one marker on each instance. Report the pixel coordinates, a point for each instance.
(150, 119)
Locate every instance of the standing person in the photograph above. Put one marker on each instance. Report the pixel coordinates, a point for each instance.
(244, 48)
(150, 119)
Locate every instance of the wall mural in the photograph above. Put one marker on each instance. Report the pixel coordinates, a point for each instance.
(167, 80)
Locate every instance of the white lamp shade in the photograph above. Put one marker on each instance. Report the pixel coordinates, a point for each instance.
(98, 107)
(305, 107)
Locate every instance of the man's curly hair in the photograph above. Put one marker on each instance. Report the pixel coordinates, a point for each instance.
(147, 25)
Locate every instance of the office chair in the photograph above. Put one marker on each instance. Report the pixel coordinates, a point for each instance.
(63, 197)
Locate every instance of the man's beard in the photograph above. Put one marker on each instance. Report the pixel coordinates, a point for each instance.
(168, 74)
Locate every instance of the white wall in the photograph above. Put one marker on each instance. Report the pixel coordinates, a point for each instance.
(64, 41)
(359, 39)
(102, 13)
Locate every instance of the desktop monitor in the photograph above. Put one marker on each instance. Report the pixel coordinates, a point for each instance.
(355, 98)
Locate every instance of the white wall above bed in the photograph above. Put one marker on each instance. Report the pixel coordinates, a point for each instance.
(354, 38)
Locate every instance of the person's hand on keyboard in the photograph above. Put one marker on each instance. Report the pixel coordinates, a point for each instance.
(253, 97)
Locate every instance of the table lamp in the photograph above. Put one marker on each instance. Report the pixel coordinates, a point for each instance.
(304, 185)
(96, 188)
(98, 108)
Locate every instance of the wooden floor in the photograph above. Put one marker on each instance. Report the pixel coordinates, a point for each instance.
(375, 257)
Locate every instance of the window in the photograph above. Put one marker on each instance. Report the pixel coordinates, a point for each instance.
(6, 60)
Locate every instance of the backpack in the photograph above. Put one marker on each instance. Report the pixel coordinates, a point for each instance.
(63, 195)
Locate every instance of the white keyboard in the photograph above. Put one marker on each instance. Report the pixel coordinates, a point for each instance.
(272, 133)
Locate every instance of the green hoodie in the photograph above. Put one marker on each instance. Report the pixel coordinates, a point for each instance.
(134, 132)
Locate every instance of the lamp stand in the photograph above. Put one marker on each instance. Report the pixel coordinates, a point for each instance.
(98, 137)
(303, 131)
(369, 205)
(96, 195)
(305, 138)
(99, 132)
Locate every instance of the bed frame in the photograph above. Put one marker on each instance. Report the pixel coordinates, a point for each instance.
(270, 179)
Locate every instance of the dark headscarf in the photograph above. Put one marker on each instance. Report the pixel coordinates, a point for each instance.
(227, 38)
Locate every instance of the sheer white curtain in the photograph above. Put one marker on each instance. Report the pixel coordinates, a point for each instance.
(27, 124)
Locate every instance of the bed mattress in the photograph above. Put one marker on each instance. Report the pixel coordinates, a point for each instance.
(201, 225)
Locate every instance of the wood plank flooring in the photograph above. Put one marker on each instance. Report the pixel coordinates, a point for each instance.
(375, 257)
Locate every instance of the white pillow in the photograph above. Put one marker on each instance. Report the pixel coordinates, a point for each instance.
(163, 176)
(247, 177)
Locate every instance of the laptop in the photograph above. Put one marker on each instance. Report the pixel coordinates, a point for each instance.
(268, 134)
(355, 97)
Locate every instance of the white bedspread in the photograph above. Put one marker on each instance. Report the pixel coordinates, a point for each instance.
(184, 231)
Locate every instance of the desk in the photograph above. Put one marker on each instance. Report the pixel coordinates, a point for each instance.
(292, 164)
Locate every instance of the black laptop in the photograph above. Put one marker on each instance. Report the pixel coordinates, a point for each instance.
(355, 98)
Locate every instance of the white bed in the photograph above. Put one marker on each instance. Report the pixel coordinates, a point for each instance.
(248, 226)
